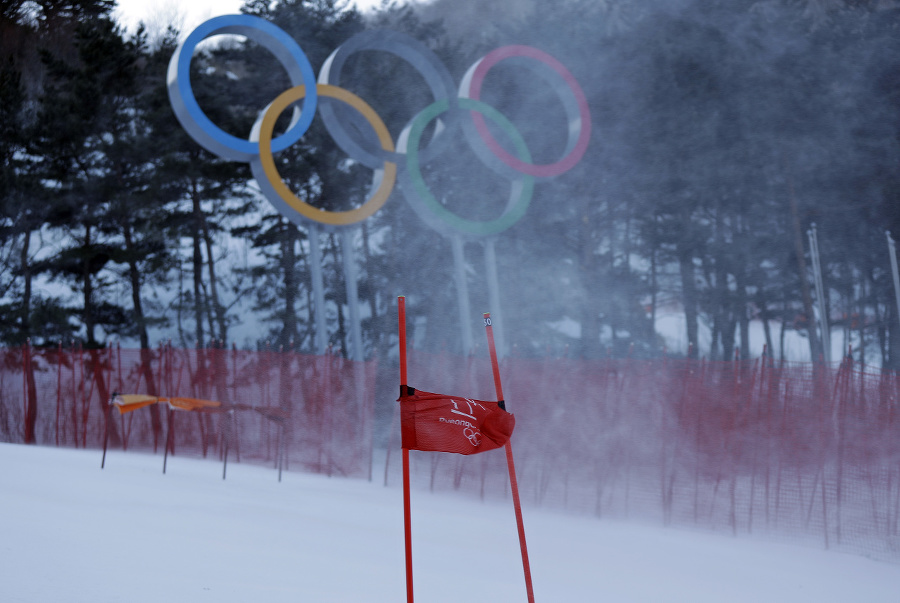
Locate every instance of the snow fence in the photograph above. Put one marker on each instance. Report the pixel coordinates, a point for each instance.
(792, 451)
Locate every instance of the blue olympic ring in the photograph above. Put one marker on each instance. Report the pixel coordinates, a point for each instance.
(195, 121)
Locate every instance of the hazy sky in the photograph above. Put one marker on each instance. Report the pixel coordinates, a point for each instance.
(131, 12)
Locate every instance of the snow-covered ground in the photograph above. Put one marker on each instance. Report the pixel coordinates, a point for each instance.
(71, 532)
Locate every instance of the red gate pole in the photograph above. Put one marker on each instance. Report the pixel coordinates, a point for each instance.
(513, 482)
(407, 523)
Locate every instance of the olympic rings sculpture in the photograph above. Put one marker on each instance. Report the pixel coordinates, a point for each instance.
(450, 109)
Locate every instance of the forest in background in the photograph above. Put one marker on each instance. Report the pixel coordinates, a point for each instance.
(722, 131)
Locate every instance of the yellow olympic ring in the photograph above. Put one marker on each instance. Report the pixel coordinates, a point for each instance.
(263, 165)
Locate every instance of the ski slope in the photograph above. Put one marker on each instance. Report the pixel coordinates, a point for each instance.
(71, 532)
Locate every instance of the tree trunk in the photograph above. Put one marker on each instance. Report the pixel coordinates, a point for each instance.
(289, 331)
(654, 290)
(197, 268)
(217, 308)
(728, 337)
(342, 334)
(30, 386)
(134, 275)
(587, 264)
(723, 322)
(689, 297)
(30, 435)
(815, 347)
(88, 295)
(764, 316)
(25, 266)
(743, 319)
(721, 301)
(134, 278)
(103, 397)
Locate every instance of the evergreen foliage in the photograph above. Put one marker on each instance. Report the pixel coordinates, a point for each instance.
(722, 131)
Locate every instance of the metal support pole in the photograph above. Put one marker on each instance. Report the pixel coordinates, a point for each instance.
(350, 278)
(318, 286)
(462, 294)
(892, 251)
(820, 292)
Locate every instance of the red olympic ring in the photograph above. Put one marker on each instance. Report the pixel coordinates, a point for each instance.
(577, 146)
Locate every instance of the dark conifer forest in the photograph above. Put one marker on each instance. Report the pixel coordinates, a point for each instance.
(725, 135)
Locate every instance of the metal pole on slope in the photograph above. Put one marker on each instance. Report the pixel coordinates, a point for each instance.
(820, 292)
(315, 266)
(462, 293)
(513, 482)
(350, 276)
(892, 251)
(357, 352)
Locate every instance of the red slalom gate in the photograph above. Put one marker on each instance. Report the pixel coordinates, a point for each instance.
(451, 424)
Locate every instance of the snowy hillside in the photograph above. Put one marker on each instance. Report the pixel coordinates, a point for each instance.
(73, 532)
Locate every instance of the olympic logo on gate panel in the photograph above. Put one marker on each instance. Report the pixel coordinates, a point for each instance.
(452, 108)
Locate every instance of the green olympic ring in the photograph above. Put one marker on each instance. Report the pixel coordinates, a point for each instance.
(425, 203)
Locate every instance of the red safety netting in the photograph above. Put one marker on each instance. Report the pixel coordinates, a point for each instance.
(314, 412)
(788, 452)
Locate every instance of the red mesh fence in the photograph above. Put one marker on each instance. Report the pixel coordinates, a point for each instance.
(789, 451)
(794, 451)
(324, 404)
